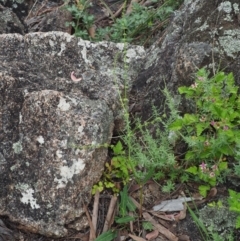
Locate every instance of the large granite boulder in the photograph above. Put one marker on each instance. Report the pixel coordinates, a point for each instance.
(56, 124)
(202, 33)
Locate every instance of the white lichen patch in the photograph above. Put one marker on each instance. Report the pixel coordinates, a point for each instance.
(63, 47)
(27, 195)
(194, 5)
(120, 46)
(64, 143)
(63, 105)
(84, 50)
(15, 167)
(17, 147)
(28, 198)
(225, 6)
(136, 53)
(74, 101)
(230, 42)
(59, 154)
(236, 8)
(198, 20)
(51, 43)
(20, 118)
(67, 172)
(203, 27)
(40, 140)
(80, 129)
(131, 53)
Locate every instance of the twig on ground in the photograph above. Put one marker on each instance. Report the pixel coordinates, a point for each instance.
(116, 14)
(110, 212)
(160, 228)
(131, 222)
(95, 215)
(136, 237)
(138, 205)
(92, 232)
(129, 9)
(108, 9)
(31, 10)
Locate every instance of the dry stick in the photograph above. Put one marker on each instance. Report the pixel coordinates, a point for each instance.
(31, 10)
(111, 208)
(116, 14)
(95, 214)
(129, 9)
(131, 222)
(92, 232)
(159, 227)
(43, 5)
(113, 216)
(136, 238)
(138, 205)
(108, 9)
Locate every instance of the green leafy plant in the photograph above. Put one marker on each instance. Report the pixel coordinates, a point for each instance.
(125, 206)
(207, 175)
(147, 226)
(152, 156)
(117, 172)
(136, 26)
(82, 20)
(107, 236)
(234, 204)
(211, 131)
(139, 24)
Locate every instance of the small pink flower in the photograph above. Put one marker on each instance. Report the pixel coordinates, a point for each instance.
(211, 174)
(201, 78)
(194, 86)
(225, 128)
(203, 166)
(213, 123)
(203, 119)
(206, 143)
(214, 168)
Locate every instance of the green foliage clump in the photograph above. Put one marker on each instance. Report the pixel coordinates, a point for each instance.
(117, 173)
(211, 132)
(136, 26)
(82, 21)
(234, 204)
(125, 206)
(211, 136)
(208, 175)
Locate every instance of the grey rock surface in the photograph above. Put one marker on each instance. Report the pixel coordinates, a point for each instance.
(24, 16)
(9, 21)
(202, 34)
(53, 129)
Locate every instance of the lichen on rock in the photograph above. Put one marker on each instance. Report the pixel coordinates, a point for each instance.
(54, 131)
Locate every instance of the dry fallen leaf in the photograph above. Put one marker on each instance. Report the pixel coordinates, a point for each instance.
(182, 214)
(152, 235)
(136, 238)
(184, 238)
(212, 193)
(92, 31)
(172, 205)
